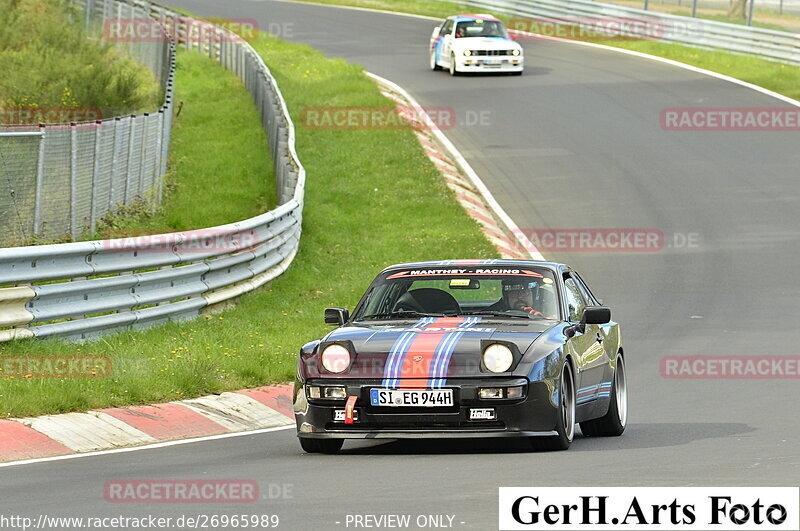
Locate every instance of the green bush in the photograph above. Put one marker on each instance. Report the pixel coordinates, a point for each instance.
(46, 60)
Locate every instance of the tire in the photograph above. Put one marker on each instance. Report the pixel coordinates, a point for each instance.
(433, 64)
(453, 70)
(615, 420)
(565, 423)
(321, 446)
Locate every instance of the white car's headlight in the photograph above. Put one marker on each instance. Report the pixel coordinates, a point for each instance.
(467, 53)
(498, 358)
(516, 52)
(335, 358)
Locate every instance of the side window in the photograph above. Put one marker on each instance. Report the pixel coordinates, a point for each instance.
(587, 295)
(575, 302)
(447, 28)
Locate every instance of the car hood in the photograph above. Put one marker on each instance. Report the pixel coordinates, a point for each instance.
(485, 43)
(457, 345)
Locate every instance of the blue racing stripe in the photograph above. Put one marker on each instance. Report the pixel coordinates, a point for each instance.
(445, 351)
(398, 350)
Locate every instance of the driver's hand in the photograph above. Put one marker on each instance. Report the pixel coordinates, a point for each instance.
(532, 311)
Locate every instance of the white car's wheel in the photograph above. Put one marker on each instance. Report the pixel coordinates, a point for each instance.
(434, 64)
(453, 69)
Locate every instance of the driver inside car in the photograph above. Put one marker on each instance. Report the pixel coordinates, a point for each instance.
(517, 295)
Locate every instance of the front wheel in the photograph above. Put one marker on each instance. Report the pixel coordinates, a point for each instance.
(614, 422)
(434, 65)
(321, 446)
(565, 423)
(453, 69)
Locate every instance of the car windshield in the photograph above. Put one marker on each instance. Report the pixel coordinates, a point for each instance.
(481, 28)
(512, 292)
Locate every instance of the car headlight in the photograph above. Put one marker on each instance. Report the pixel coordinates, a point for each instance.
(335, 358)
(467, 52)
(515, 52)
(498, 358)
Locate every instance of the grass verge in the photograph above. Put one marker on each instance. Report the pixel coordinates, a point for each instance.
(372, 198)
(780, 78)
(219, 171)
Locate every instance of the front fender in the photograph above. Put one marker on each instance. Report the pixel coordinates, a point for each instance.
(543, 360)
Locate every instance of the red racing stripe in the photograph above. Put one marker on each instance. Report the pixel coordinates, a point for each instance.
(416, 365)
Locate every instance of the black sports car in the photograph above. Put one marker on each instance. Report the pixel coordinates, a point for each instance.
(465, 348)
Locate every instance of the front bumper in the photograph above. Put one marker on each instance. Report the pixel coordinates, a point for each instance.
(531, 416)
(478, 63)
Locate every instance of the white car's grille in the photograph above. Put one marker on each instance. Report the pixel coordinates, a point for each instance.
(492, 52)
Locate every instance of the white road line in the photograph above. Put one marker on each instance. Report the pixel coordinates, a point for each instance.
(146, 447)
(468, 170)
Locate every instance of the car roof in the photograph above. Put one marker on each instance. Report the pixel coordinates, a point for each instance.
(478, 262)
(462, 18)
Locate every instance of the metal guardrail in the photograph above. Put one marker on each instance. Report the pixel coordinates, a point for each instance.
(78, 290)
(66, 176)
(769, 44)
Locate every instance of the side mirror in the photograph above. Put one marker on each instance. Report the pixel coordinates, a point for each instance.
(436, 32)
(336, 316)
(513, 36)
(591, 315)
(596, 315)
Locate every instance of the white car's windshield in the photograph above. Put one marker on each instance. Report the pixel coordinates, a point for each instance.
(481, 28)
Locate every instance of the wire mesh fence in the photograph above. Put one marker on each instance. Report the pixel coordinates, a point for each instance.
(83, 289)
(57, 178)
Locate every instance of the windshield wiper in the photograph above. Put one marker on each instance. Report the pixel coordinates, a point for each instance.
(498, 313)
(394, 315)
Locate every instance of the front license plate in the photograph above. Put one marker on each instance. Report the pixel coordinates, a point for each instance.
(411, 397)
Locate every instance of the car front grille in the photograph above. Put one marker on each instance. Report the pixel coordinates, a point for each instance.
(492, 52)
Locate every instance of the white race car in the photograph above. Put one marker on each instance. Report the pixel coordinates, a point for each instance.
(474, 43)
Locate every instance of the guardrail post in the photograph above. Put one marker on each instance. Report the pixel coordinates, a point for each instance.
(750, 12)
(95, 174)
(87, 15)
(156, 181)
(131, 134)
(37, 207)
(73, 181)
(165, 148)
(114, 164)
(142, 157)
